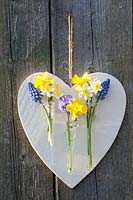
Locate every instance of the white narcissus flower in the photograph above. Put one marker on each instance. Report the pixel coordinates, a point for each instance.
(85, 91)
(56, 90)
(51, 91)
(95, 86)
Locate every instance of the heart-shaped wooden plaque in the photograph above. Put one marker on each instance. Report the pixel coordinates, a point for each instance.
(106, 124)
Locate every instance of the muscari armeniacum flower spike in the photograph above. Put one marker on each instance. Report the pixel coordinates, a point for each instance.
(34, 93)
(105, 87)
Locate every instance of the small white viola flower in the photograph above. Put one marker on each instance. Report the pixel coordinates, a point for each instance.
(96, 86)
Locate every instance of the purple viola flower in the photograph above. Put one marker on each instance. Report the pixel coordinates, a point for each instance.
(34, 93)
(63, 101)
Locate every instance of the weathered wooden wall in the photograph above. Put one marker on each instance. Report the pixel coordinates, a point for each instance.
(33, 37)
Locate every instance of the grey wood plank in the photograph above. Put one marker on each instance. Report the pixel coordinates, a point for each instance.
(112, 33)
(25, 26)
(6, 183)
(4, 31)
(82, 58)
(7, 190)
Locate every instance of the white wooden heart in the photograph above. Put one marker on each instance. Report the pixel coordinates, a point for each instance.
(106, 124)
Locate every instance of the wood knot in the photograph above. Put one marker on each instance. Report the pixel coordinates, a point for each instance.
(91, 69)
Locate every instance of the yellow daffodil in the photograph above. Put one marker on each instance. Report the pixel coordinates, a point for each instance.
(39, 83)
(77, 80)
(42, 80)
(86, 77)
(96, 86)
(45, 84)
(77, 108)
(48, 79)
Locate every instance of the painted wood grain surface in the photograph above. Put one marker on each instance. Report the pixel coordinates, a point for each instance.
(33, 38)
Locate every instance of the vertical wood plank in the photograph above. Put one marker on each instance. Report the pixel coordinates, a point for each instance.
(25, 26)
(4, 32)
(112, 35)
(82, 58)
(6, 185)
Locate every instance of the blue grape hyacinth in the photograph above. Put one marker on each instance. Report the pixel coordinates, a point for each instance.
(34, 93)
(105, 87)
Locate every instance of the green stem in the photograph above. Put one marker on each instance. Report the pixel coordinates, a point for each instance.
(69, 144)
(50, 123)
(89, 119)
(89, 140)
(50, 126)
(50, 132)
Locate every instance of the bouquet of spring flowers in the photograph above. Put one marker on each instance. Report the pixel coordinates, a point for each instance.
(44, 87)
(91, 91)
